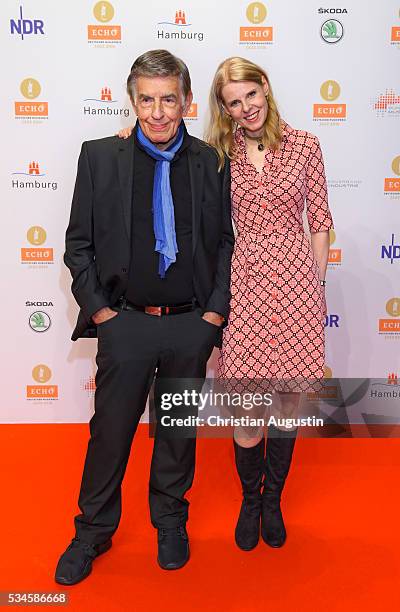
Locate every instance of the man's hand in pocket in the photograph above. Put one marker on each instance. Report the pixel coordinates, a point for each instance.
(102, 315)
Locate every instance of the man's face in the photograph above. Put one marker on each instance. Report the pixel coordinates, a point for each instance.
(159, 107)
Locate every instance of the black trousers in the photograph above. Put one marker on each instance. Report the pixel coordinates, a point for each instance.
(133, 350)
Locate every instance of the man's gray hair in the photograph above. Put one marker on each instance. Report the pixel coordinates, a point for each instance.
(159, 63)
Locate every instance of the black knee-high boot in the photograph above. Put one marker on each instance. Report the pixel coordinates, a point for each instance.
(280, 445)
(249, 464)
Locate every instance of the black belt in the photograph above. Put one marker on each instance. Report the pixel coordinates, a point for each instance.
(124, 304)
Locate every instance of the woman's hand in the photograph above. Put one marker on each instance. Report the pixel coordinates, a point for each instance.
(125, 132)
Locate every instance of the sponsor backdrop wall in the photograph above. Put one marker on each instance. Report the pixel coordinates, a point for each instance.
(334, 69)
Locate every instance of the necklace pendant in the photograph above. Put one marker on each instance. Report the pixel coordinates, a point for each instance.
(261, 147)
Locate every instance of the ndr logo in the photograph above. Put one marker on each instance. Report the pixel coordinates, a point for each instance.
(24, 27)
(392, 251)
(332, 320)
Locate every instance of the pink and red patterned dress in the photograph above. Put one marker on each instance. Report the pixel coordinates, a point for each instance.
(276, 325)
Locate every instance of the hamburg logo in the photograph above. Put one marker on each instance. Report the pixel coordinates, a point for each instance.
(106, 34)
(41, 374)
(35, 174)
(392, 185)
(33, 169)
(177, 28)
(332, 31)
(39, 321)
(180, 20)
(104, 105)
(256, 35)
(25, 27)
(391, 327)
(386, 389)
(387, 104)
(330, 111)
(391, 251)
(335, 255)
(36, 254)
(31, 112)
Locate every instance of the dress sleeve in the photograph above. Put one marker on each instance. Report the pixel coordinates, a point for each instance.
(318, 213)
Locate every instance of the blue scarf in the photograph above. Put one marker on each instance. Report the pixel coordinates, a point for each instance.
(163, 205)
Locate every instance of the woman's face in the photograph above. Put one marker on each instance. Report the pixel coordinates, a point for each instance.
(246, 103)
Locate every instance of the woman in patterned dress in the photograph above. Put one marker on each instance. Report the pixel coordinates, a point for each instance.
(276, 325)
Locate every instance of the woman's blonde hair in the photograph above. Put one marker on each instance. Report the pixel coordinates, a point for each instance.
(221, 128)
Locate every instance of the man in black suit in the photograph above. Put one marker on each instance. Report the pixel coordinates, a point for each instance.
(149, 247)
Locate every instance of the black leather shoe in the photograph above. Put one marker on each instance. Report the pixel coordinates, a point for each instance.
(173, 547)
(76, 562)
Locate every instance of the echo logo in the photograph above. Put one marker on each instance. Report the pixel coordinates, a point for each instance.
(335, 255)
(395, 34)
(392, 185)
(24, 27)
(41, 374)
(36, 254)
(256, 13)
(330, 92)
(391, 326)
(192, 112)
(30, 88)
(104, 12)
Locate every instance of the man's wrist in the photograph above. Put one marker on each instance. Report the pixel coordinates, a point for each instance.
(102, 315)
(214, 317)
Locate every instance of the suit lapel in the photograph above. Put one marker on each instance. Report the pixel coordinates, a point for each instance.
(196, 174)
(125, 169)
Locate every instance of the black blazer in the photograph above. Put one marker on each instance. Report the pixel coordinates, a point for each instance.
(98, 249)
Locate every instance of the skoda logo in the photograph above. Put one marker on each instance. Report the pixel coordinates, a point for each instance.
(39, 321)
(332, 31)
